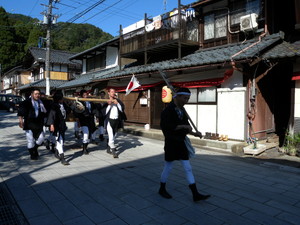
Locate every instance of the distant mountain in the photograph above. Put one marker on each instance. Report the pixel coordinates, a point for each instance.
(19, 32)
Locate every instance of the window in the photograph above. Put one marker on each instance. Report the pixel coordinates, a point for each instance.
(192, 30)
(193, 97)
(221, 29)
(215, 26)
(207, 94)
(203, 95)
(90, 64)
(63, 68)
(209, 27)
(95, 62)
(242, 8)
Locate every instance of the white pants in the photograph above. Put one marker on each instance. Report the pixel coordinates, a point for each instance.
(187, 168)
(111, 136)
(60, 144)
(31, 142)
(85, 131)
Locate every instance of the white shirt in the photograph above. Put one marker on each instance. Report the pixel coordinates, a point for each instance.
(36, 108)
(114, 113)
(63, 111)
(88, 106)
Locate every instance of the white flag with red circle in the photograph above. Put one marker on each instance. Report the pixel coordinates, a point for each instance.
(133, 84)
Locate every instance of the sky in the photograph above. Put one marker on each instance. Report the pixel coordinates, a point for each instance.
(108, 15)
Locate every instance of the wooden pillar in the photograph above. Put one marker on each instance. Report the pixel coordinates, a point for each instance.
(145, 41)
(179, 32)
(120, 46)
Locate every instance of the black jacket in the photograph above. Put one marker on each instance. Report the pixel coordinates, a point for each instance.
(56, 118)
(87, 118)
(31, 122)
(175, 148)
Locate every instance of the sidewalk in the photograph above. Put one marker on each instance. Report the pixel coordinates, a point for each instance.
(270, 155)
(97, 189)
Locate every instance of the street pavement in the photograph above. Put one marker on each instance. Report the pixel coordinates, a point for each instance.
(98, 189)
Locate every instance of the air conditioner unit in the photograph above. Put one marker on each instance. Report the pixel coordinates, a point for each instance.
(248, 22)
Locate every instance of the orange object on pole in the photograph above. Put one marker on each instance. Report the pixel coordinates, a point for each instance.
(166, 94)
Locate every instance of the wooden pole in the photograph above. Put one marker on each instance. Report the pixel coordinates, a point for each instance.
(81, 99)
(164, 76)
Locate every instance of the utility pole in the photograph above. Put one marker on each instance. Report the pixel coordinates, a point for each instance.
(48, 18)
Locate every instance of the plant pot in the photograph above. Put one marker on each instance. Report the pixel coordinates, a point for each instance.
(292, 152)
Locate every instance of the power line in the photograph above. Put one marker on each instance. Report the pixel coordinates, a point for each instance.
(33, 7)
(117, 12)
(120, 11)
(67, 5)
(84, 12)
(102, 11)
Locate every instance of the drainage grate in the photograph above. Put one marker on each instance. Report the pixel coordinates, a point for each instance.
(10, 214)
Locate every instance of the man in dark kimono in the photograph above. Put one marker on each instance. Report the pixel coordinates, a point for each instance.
(49, 140)
(175, 127)
(57, 124)
(86, 121)
(31, 115)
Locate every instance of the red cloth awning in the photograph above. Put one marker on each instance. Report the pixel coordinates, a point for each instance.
(187, 84)
(296, 76)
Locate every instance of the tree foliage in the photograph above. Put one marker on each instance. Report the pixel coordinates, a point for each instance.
(19, 32)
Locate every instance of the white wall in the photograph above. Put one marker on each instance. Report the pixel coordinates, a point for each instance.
(6, 82)
(297, 98)
(207, 118)
(235, 80)
(111, 57)
(41, 74)
(84, 66)
(134, 26)
(231, 112)
(203, 116)
(192, 111)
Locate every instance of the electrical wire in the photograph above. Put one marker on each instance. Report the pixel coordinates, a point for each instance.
(33, 7)
(102, 10)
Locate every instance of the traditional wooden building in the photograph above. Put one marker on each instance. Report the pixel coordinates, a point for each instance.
(14, 78)
(225, 51)
(61, 69)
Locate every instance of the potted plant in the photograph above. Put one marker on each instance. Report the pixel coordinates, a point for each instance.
(292, 142)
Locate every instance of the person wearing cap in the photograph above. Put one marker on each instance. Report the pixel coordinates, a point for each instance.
(175, 127)
(57, 124)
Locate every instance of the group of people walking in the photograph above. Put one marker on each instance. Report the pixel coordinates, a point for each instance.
(174, 124)
(35, 114)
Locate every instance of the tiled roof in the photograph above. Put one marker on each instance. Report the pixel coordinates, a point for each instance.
(283, 50)
(87, 78)
(215, 55)
(56, 56)
(42, 84)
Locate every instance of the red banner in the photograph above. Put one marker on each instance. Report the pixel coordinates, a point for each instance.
(187, 84)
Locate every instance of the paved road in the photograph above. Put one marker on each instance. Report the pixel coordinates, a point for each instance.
(97, 189)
